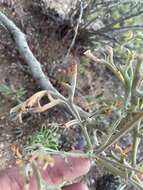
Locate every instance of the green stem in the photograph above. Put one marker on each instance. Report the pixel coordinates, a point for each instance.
(125, 129)
(136, 142)
(41, 183)
(86, 135)
(83, 127)
(112, 67)
(41, 150)
(136, 182)
(110, 167)
(110, 133)
(37, 174)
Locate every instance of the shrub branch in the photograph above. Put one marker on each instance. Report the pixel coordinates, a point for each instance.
(35, 66)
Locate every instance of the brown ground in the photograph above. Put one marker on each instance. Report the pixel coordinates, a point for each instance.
(49, 48)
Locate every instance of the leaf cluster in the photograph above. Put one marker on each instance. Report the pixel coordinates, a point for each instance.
(47, 137)
(17, 95)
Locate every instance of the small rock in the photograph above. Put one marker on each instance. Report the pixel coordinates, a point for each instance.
(61, 7)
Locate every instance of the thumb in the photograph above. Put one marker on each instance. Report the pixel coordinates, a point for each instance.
(77, 186)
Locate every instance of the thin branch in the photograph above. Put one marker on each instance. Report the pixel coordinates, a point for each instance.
(40, 77)
(27, 55)
(136, 142)
(35, 66)
(41, 182)
(125, 28)
(118, 21)
(124, 130)
(76, 30)
(39, 149)
(110, 66)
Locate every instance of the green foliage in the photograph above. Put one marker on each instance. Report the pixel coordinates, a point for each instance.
(128, 114)
(19, 94)
(5, 90)
(46, 137)
(107, 22)
(16, 95)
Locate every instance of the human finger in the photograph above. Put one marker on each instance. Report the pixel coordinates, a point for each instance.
(64, 169)
(77, 186)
